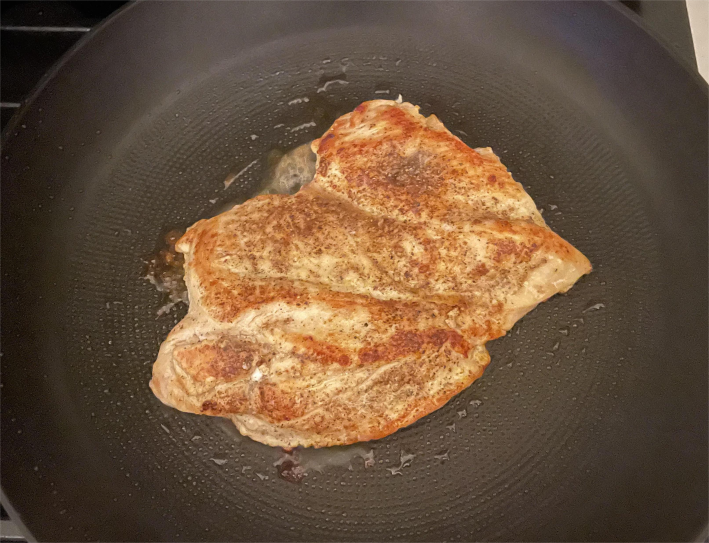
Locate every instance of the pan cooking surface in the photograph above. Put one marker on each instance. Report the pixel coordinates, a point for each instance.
(550, 369)
(590, 422)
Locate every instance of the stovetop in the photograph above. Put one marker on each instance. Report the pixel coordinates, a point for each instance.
(34, 35)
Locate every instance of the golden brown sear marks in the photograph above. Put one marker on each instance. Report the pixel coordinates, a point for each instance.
(410, 342)
(337, 248)
(389, 160)
(224, 360)
(363, 302)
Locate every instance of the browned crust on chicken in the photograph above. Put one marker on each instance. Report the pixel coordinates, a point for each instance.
(363, 302)
(389, 160)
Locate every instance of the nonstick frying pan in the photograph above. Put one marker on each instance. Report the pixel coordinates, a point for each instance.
(590, 423)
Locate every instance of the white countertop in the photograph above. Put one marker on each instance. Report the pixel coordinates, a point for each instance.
(698, 11)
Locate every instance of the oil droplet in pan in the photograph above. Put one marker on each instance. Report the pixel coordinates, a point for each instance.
(405, 461)
(442, 457)
(233, 176)
(219, 461)
(594, 307)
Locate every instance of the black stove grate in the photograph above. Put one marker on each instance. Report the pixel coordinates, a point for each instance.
(33, 36)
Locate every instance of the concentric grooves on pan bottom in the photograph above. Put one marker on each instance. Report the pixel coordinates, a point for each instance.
(543, 422)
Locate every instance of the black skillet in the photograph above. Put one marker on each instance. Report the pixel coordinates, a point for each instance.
(591, 422)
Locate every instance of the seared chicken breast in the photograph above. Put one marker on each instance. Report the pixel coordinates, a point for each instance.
(363, 302)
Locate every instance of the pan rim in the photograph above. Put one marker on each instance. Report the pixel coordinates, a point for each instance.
(692, 71)
(28, 103)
